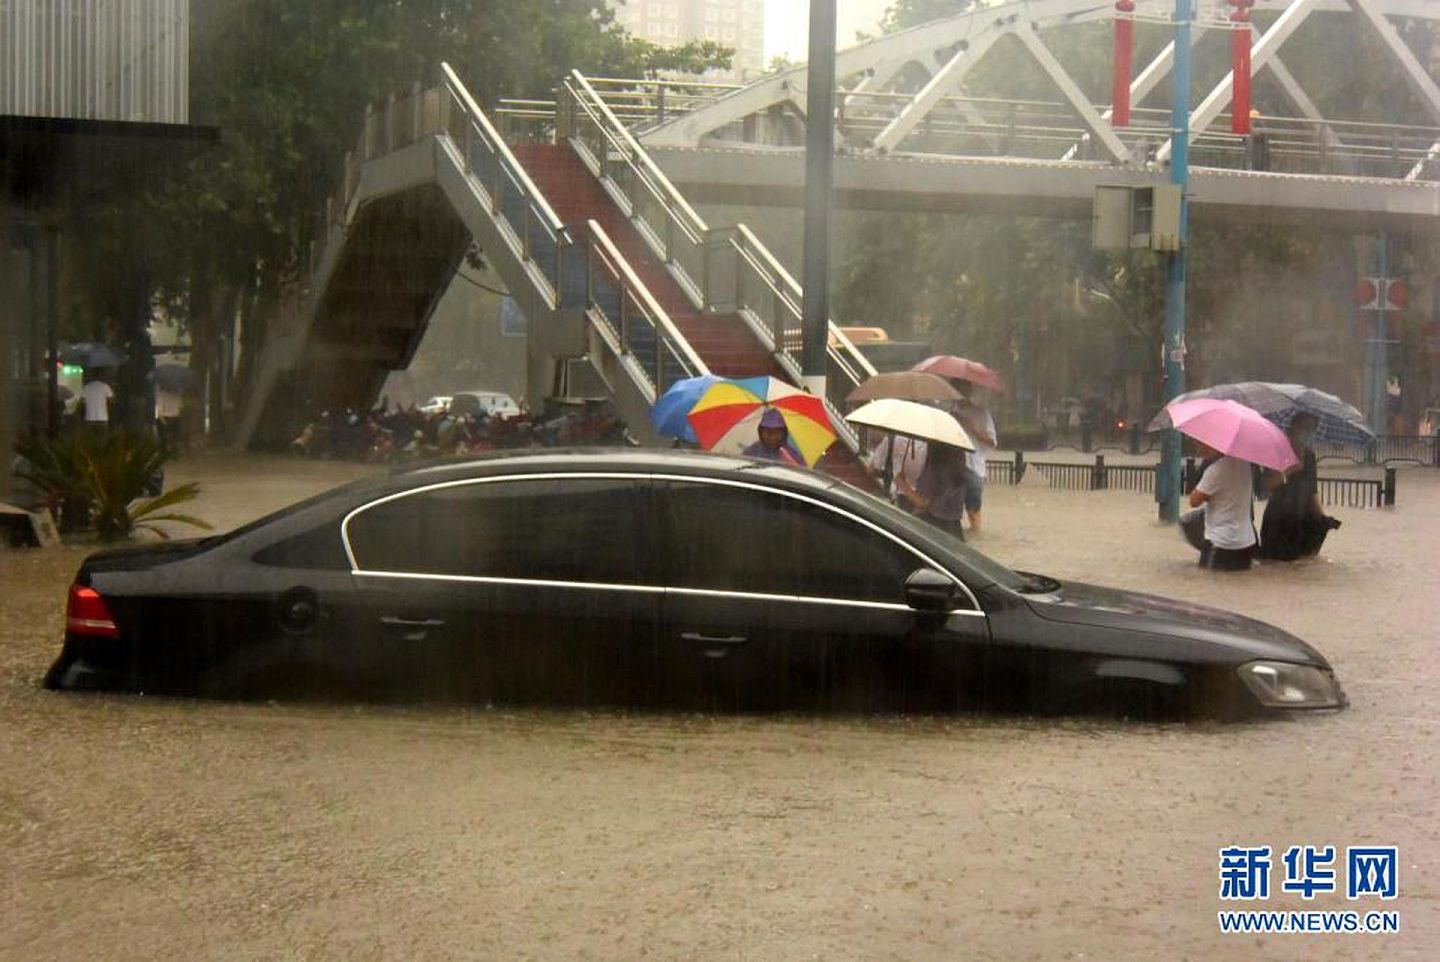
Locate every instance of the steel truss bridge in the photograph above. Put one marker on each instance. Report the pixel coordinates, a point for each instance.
(912, 136)
(584, 206)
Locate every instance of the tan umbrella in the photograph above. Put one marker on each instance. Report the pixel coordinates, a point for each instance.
(907, 385)
(913, 421)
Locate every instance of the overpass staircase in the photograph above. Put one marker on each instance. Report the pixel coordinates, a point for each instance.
(602, 254)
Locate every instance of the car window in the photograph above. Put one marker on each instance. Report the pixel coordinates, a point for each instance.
(727, 538)
(321, 548)
(564, 529)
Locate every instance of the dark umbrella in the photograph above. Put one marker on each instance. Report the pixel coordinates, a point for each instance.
(1338, 422)
(92, 354)
(176, 378)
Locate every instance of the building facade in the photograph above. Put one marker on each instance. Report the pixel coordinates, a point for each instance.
(738, 24)
(92, 93)
(95, 59)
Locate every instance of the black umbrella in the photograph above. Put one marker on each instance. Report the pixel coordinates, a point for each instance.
(92, 354)
(173, 377)
(1336, 421)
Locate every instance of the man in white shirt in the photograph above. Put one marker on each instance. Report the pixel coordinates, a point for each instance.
(168, 407)
(97, 396)
(907, 460)
(1227, 492)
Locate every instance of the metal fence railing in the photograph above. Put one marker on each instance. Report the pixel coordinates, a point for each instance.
(1068, 476)
(1385, 449)
(1096, 475)
(1420, 449)
(1006, 472)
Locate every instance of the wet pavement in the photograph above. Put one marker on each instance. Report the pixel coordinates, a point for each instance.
(142, 828)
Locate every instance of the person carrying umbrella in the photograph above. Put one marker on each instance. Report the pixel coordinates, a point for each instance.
(1235, 437)
(96, 397)
(939, 496)
(1295, 524)
(1226, 492)
(964, 374)
(980, 425)
(772, 435)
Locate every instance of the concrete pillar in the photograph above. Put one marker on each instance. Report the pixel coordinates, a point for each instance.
(541, 374)
(13, 274)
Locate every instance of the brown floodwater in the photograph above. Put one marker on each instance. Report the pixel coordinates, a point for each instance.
(144, 828)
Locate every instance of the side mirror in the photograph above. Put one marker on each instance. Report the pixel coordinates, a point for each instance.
(928, 590)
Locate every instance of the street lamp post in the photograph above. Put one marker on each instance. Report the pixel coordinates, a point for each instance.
(819, 181)
(1168, 490)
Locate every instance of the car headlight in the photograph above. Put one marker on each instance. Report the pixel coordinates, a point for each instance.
(1279, 684)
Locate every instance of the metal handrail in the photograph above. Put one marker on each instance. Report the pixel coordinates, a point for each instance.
(668, 338)
(619, 134)
(751, 258)
(666, 332)
(477, 116)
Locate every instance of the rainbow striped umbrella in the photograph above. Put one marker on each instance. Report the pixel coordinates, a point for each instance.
(727, 417)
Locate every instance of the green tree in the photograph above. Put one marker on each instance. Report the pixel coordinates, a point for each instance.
(286, 82)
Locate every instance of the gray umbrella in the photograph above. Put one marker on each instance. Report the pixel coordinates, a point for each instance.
(174, 377)
(1338, 422)
(92, 354)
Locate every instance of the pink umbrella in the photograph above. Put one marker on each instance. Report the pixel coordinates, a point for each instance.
(948, 365)
(1233, 429)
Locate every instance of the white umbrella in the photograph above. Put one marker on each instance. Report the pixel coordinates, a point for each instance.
(913, 421)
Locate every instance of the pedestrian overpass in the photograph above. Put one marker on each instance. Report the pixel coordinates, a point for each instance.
(586, 209)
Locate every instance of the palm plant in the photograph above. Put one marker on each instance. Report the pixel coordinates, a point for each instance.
(118, 472)
(110, 476)
(57, 468)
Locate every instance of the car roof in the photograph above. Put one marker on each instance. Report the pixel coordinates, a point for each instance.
(329, 506)
(638, 461)
(611, 459)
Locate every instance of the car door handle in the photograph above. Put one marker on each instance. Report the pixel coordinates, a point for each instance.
(714, 639)
(390, 621)
(716, 646)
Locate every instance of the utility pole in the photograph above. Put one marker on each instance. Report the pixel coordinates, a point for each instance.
(819, 183)
(1167, 490)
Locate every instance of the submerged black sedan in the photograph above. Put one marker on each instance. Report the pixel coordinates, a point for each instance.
(653, 579)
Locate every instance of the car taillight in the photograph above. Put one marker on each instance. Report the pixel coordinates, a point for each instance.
(86, 613)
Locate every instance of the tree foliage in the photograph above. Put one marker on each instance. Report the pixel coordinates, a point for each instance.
(286, 83)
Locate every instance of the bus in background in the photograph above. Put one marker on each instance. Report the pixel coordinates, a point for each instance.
(881, 351)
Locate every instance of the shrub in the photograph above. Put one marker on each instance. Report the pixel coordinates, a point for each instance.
(109, 475)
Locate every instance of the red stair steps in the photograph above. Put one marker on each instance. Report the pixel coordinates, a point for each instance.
(724, 341)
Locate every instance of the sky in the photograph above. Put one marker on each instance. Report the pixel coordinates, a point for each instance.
(787, 24)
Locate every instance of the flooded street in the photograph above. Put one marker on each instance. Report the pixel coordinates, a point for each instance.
(143, 828)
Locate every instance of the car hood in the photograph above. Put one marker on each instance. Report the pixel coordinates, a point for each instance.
(1083, 604)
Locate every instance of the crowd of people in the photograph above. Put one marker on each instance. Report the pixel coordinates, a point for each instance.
(940, 483)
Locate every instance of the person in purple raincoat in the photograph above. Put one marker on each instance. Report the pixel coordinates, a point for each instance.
(772, 437)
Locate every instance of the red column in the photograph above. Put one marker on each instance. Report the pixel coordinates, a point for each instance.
(1240, 65)
(1124, 63)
